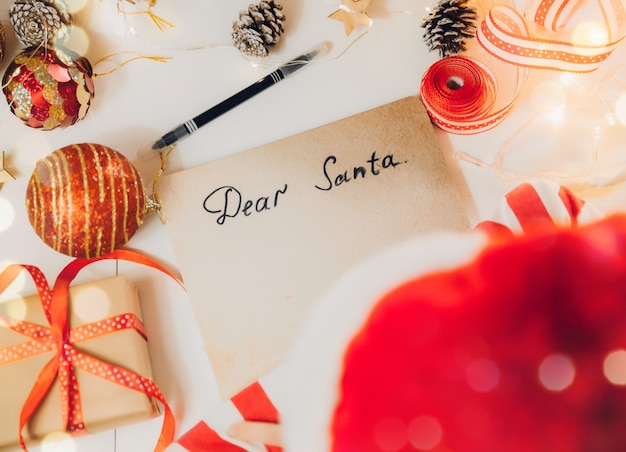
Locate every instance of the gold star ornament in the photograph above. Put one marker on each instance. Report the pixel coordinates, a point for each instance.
(5, 175)
(353, 14)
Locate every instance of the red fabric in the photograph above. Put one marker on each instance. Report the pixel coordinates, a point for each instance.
(252, 403)
(495, 231)
(573, 204)
(202, 438)
(529, 208)
(455, 358)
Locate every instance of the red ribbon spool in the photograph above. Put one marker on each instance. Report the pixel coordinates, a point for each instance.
(459, 93)
(460, 87)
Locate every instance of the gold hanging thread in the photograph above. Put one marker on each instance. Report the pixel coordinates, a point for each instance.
(160, 23)
(153, 202)
(159, 59)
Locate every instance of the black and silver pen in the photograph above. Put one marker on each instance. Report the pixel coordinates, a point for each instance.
(271, 79)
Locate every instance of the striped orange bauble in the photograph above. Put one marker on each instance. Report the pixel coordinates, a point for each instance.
(85, 200)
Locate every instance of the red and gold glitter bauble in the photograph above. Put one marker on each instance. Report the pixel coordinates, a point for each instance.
(85, 200)
(48, 88)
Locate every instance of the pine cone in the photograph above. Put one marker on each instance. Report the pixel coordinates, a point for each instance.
(448, 25)
(258, 27)
(38, 21)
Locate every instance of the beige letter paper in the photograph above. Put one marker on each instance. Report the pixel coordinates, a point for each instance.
(260, 235)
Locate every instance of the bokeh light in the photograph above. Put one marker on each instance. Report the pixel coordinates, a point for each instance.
(75, 5)
(15, 310)
(590, 34)
(7, 214)
(568, 78)
(390, 434)
(556, 372)
(78, 40)
(482, 375)
(31, 147)
(425, 433)
(58, 442)
(16, 288)
(614, 367)
(93, 304)
(548, 96)
(620, 109)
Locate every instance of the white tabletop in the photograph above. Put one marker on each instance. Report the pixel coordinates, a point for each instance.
(142, 100)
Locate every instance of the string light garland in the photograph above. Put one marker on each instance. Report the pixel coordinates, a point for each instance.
(252, 46)
(574, 135)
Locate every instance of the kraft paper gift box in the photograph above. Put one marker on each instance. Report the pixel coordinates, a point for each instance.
(105, 405)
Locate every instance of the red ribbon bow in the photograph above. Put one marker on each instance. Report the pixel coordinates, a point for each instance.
(59, 337)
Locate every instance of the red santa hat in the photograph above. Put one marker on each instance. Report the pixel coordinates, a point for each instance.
(470, 342)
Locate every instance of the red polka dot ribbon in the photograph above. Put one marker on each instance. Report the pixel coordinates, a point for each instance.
(504, 33)
(61, 339)
(496, 36)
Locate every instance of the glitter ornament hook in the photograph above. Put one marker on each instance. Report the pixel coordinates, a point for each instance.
(153, 201)
(158, 59)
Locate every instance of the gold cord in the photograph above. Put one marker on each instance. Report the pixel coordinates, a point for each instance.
(154, 200)
(159, 59)
(158, 21)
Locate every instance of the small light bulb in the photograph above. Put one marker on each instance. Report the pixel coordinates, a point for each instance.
(93, 304)
(620, 109)
(556, 372)
(58, 442)
(78, 40)
(548, 96)
(614, 367)
(75, 5)
(590, 34)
